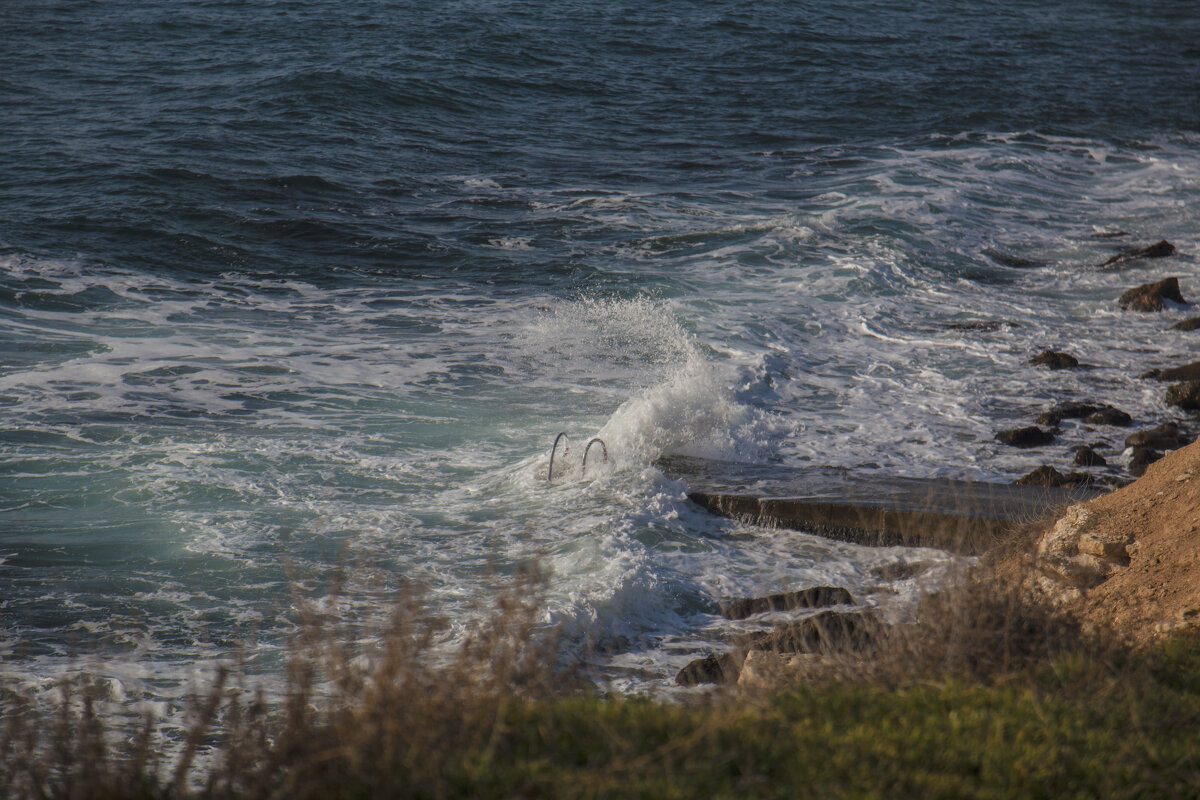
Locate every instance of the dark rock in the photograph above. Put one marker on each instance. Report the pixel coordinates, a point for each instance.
(901, 571)
(1093, 413)
(1185, 395)
(1142, 457)
(1187, 325)
(816, 597)
(981, 325)
(1016, 262)
(1053, 360)
(1109, 234)
(1167, 436)
(1150, 296)
(1188, 372)
(1025, 437)
(1047, 475)
(1160, 249)
(1087, 457)
(716, 668)
(824, 632)
(1107, 415)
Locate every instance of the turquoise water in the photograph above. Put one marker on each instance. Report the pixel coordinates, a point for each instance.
(291, 285)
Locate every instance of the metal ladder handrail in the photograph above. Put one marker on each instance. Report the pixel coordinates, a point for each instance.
(553, 450)
(603, 448)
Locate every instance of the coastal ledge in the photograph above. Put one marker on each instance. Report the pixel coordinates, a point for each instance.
(876, 510)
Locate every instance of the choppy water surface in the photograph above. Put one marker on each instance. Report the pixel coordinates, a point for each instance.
(291, 285)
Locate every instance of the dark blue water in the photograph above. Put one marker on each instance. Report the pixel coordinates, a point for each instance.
(314, 282)
(316, 138)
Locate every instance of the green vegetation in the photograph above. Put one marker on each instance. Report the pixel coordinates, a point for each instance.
(1064, 716)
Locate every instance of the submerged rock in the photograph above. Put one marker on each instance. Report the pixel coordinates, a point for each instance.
(1094, 413)
(1031, 436)
(981, 325)
(1054, 360)
(1191, 324)
(1185, 395)
(1150, 296)
(815, 597)
(1160, 249)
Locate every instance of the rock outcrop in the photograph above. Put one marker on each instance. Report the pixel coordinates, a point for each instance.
(1160, 249)
(1054, 360)
(1047, 475)
(1092, 413)
(1076, 555)
(1130, 559)
(1085, 456)
(1167, 436)
(1188, 372)
(1185, 395)
(1027, 437)
(1150, 296)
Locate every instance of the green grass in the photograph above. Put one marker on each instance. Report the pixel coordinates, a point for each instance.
(1067, 730)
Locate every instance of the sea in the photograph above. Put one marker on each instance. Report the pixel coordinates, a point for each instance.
(297, 295)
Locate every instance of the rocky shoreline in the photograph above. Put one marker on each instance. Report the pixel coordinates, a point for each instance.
(1128, 560)
(1144, 446)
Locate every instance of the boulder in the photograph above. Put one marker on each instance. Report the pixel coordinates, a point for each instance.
(1093, 413)
(1047, 475)
(815, 597)
(1185, 395)
(1054, 360)
(1168, 436)
(1160, 249)
(1188, 372)
(1025, 437)
(1150, 296)
(1191, 324)
(1087, 457)
(1107, 415)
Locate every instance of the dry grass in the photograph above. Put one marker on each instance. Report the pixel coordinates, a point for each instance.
(406, 718)
(988, 693)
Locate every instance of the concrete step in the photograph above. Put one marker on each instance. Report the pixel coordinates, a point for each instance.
(877, 510)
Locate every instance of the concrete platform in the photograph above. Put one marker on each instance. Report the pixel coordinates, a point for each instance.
(959, 516)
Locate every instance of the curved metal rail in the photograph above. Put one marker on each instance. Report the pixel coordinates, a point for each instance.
(586, 450)
(553, 450)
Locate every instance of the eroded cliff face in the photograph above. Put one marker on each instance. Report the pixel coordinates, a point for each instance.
(1130, 559)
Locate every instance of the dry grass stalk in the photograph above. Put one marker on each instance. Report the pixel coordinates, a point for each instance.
(405, 717)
